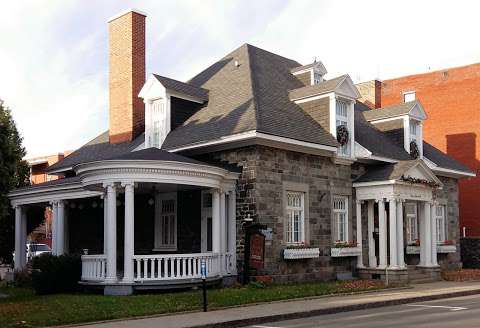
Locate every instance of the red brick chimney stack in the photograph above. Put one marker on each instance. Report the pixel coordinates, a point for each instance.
(126, 75)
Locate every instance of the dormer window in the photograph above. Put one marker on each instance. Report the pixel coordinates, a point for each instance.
(158, 123)
(341, 119)
(317, 77)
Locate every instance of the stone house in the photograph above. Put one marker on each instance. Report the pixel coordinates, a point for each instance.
(340, 190)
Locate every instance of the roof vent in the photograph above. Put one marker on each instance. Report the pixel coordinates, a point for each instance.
(237, 64)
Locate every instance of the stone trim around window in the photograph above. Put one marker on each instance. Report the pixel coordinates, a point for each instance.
(296, 187)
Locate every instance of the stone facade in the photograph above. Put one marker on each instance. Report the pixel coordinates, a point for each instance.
(265, 175)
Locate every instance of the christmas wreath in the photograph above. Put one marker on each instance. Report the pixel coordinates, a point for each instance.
(414, 152)
(342, 135)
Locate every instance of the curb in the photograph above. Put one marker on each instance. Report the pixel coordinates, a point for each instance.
(354, 307)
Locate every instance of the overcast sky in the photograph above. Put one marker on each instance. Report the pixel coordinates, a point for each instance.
(53, 54)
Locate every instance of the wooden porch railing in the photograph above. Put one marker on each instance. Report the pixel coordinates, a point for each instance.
(174, 266)
(94, 267)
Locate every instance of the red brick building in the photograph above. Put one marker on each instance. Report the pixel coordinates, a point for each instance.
(38, 174)
(451, 98)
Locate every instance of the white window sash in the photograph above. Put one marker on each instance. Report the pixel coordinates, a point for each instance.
(340, 214)
(295, 229)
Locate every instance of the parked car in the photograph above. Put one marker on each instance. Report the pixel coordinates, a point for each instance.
(35, 249)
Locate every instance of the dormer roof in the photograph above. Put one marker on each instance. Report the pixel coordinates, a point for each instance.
(342, 85)
(316, 66)
(176, 87)
(412, 108)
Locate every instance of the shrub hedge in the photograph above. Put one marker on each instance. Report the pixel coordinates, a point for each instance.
(56, 274)
(470, 251)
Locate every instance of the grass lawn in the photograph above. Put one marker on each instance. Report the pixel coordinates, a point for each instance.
(22, 308)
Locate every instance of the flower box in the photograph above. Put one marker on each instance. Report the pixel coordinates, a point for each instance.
(300, 253)
(345, 251)
(411, 249)
(446, 248)
(440, 249)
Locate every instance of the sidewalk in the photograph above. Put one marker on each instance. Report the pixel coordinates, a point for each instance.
(258, 314)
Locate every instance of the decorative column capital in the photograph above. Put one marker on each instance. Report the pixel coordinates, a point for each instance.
(128, 183)
(110, 186)
(359, 201)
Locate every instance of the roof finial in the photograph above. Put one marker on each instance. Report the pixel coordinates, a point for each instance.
(315, 59)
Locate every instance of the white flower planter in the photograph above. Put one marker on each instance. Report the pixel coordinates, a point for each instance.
(446, 248)
(300, 253)
(413, 249)
(440, 249)
(345, 251)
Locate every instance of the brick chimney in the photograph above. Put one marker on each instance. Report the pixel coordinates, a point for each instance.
(126, 75)
(371, 92)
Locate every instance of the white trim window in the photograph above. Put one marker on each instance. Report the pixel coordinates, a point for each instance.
(317, 77)
(295, 217)
(166, 222)
(158, 123)
(408, 96)
(414, 131)
(340, 218)
(411, 215)
(341, 118)
(441, 223)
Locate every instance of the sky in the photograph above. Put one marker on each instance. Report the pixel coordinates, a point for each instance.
(54, 59)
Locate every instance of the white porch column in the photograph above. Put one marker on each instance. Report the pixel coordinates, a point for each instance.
(129, 232)
(400, 244)
(60, 227)
(23, 245)
(54, 228)
(223, 227)
(382, 230)
(359, 233)
(433, 225)
(372, 258)
(112, 233)
(426, 238)
(20, 252)
(392, 208)
(216, 221)
(66, 229)
(232, 229)
(105, 223)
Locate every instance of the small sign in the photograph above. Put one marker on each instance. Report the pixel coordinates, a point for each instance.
(257, 250)
(203, 268)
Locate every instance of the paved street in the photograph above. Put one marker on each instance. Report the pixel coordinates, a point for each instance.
(461, 312)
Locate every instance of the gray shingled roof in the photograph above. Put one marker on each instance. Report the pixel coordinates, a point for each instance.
(56, 182)
(317, 89)
(389, 111)
(380, 144)
(182, 87)
(301, 68)
(95, 150)
(155, 154)
(376, 141)
(248, 97)
(387, 171)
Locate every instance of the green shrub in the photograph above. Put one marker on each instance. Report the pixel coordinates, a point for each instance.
(56, 274)
(22, 278)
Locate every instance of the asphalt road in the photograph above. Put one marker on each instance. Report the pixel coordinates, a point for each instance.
(453, 312)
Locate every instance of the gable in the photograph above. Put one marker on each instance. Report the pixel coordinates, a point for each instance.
(421, 171)
(347, 88)
(418, 112)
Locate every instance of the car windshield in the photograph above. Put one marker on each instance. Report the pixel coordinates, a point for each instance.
(39, 248)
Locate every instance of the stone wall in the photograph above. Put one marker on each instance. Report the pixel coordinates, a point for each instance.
(449, 193)
(265, 171)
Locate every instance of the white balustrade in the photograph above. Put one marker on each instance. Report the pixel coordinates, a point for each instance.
(174, 266)
(94, 267)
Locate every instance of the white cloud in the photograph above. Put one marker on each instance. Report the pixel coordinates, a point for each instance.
(53, 54)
